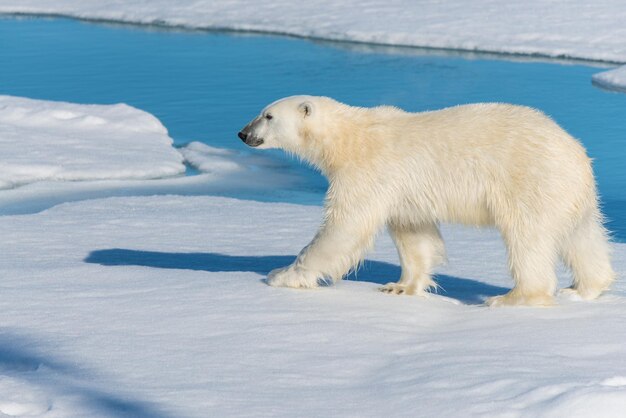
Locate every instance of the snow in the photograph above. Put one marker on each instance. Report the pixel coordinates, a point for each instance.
(156, 308)
(42, 140)
(571, 28)
(233, 163)
(613, 79)
(210, 159)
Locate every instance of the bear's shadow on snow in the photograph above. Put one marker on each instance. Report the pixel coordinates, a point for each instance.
(467, 291)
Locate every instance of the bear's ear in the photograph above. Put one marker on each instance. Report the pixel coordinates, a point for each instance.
(306, 108)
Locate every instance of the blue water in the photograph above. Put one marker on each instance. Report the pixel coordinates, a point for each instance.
(206, 86)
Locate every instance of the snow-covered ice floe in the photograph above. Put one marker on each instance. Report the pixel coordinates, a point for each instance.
(44, 140)
(156, 307)
(570, 29)
(613, 79)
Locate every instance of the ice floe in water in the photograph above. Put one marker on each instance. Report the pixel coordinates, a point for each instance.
(614, 79)
(44, 140)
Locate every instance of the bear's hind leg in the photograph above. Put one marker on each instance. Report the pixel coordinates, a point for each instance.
(587, 253)
(532, 258)
(421, 249)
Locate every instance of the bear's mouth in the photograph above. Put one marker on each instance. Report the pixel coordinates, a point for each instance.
(253, 142)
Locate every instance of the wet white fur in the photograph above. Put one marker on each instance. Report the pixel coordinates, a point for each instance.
(479, 164)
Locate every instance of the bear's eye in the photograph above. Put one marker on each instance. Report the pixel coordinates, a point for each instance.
(268, 117)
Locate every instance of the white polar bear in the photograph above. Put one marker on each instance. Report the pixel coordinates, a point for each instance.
(479, 164)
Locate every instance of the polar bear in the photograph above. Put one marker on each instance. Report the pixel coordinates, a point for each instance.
(503, 165)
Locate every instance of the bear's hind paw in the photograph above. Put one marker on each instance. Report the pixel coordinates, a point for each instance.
(401, 289)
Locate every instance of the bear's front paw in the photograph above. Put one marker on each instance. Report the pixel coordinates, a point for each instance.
(292, 276)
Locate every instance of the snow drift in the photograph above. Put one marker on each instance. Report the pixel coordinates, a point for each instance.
(42, 140)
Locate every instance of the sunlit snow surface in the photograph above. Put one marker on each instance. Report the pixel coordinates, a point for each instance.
(155, 307)
(573, 28)
(43, 140)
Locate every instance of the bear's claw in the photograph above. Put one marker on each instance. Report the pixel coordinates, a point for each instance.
(397, 289)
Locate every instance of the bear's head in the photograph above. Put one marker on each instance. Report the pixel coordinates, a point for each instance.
(282, 124)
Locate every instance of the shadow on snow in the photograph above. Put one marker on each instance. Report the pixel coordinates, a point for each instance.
(467, 291)
(19, 361)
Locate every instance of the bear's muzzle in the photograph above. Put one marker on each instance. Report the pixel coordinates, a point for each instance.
(250, 140)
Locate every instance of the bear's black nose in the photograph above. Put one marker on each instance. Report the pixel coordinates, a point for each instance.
(243, 135)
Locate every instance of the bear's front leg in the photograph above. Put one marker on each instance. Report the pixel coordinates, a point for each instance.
(338, 246)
